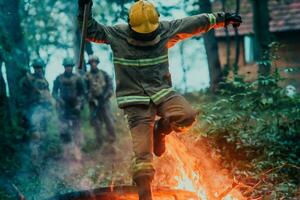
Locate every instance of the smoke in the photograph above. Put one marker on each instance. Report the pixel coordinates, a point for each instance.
(51, 166)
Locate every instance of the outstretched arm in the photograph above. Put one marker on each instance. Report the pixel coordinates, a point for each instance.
(96, 32)
(181, 29)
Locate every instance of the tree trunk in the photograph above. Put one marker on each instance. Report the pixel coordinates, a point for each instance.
(228, 50)
(261, 20)
(184, 68)
(237, 43)
(3, 100)
(15, 55)
(211, 46)
(3, 97)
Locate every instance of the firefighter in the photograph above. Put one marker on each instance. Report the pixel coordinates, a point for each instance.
(68, 91)
(143, 80)
(99, 90)
(36, 103)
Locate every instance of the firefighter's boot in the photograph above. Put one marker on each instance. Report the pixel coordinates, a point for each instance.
(162, 128)
(144, 188)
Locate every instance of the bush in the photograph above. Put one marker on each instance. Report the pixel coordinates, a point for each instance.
(256, 129)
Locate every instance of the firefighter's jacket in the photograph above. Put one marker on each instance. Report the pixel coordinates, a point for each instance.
(142, 68)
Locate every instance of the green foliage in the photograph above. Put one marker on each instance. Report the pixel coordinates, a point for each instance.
(17, 166)
(255, 127)
(44, 30)
(5, 196)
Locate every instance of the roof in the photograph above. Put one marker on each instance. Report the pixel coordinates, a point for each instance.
(284, 15)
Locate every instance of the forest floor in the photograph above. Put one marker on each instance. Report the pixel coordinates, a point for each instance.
(235, 146)
(192, 163)
(188, 165)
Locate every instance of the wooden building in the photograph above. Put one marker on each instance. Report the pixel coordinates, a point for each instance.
(284, 28)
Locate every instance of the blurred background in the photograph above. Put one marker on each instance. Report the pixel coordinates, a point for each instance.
(246, 82)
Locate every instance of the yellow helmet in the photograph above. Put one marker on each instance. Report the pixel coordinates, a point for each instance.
(143, 17)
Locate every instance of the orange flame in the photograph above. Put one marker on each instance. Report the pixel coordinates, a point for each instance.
(191, 168)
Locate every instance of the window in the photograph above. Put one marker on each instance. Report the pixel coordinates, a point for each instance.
(250, 49)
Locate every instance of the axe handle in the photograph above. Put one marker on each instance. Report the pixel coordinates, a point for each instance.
(83, 34)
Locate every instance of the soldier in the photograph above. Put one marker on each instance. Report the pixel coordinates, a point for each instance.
(68, 91)
(143, 80)
(36, 102)
(99, 91)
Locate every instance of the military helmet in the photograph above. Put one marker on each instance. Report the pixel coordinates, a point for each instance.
(38, 63)
(68, 62)
(143, 17)
(93, 58)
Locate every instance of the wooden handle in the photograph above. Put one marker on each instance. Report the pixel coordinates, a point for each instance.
(83, 34)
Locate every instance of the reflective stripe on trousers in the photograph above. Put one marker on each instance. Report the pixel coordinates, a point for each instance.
(144, 99)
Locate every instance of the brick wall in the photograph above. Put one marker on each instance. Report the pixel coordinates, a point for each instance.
(289, 57)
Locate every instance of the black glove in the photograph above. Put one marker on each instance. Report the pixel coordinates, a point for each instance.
(81, 3)
(234, 19)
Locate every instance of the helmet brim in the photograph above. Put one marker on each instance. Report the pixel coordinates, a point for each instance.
(145, 28)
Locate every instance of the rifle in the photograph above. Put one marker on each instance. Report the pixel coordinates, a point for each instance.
(101, 101)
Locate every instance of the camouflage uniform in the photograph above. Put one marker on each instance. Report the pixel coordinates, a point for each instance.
(100, 89)
(68, 90)
(36, 102)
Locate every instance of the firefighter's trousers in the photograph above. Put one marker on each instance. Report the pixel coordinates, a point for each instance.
(176, 110)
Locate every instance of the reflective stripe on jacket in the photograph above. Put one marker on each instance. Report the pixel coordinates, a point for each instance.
(142, 68)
